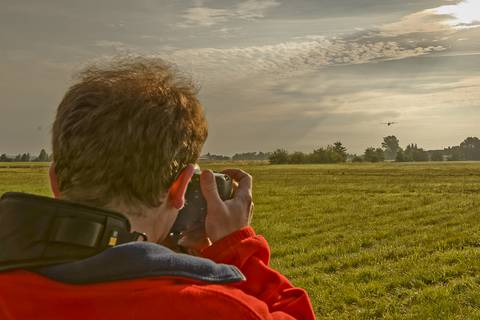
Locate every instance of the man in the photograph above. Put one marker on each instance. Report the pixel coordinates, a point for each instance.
(125, 138)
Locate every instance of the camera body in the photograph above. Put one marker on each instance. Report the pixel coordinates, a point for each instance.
(195, 209)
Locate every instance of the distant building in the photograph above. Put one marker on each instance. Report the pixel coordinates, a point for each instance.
(213, 157)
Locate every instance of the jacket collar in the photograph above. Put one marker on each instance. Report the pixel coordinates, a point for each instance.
(138, 260)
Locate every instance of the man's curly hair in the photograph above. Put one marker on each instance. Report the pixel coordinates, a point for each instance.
(123, 132)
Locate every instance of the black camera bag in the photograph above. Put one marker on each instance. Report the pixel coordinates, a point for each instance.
(39, 231)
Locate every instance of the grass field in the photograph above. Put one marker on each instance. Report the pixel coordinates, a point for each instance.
(391, 241)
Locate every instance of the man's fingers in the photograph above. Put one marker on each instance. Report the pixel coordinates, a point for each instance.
(194, 239)
(244, 189)
(236, 174)
(234, 186)
(209, 187)
(250, 214)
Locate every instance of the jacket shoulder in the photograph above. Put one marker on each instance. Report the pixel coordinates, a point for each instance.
(228, 300)
(149, 298)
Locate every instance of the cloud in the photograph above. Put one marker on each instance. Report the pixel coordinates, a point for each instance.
(117, 45)
(462, 15)
(419, 22)
(252, 9)
(421, 33)
(446, 19)
(291, 57)
(205, 17)
(246, 10)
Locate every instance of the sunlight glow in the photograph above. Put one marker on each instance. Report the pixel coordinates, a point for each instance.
(465, 14)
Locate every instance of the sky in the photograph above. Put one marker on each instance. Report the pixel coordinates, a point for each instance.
(273, 73)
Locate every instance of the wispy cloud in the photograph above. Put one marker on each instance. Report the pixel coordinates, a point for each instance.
(246, 10)
(292, 56)
(252, 9)
(425, 21)
(205, 17)
(117, 45)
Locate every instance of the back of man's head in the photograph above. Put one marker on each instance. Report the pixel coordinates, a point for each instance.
(123, 132)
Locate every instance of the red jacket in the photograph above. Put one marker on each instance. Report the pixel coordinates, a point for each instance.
(265, 294)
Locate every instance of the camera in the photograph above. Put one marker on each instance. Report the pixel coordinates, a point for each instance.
(195, 210)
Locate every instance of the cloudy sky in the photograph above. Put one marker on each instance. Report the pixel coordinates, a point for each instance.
(273, 73)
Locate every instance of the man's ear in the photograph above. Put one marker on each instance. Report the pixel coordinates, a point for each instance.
(176, 192)
(53, 180)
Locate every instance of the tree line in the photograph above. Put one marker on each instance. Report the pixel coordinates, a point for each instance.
(389, 150)
(330, 154)
(43, 156)
(468, 150)
(237, 156)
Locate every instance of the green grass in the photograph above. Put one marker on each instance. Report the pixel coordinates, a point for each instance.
(24, 164)
(367, 241)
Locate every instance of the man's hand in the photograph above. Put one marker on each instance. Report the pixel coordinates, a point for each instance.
(226, 217)
(193, 241)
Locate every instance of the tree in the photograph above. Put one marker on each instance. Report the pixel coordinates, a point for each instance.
(414, 153)
(319, 155)
(471, 148)
(400, 156)
(369, 155)
(251, 156)
(25, 157)
(297, 157)
(279, 156)
(4, 158)
(215, 157)
(455, 153)
(391, 145)
(436, 156)
(326, 155)
(374, 155)
(330, 154)
(357, 158)
(341, 150)
(42, 157)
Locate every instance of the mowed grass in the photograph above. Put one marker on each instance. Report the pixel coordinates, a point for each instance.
(367, 241)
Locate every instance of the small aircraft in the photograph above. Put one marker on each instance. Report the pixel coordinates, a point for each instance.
(389, 123)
